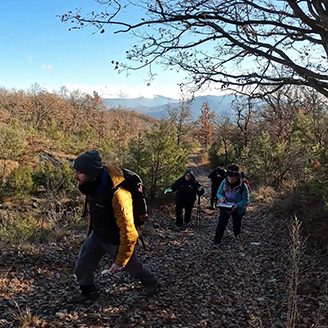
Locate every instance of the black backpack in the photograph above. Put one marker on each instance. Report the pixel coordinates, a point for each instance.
(133, 183)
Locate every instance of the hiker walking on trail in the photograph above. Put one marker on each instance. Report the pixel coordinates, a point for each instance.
(111, 227)
(187, 188)
(216, 176)
(232, 192)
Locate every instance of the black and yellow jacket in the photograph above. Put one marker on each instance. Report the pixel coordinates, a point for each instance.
(111, 216)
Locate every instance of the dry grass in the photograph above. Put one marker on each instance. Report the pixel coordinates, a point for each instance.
(25, 319)
(203, 158)
(261, 314)
(6, 166)
(296, 249)
(265, 195)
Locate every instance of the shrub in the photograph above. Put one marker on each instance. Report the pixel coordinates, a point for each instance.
(53, 178)
(19, 182)
(17, 228)
(158, 159)
(265, 195)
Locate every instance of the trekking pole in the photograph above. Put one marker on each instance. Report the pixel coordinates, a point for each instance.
(198, 214)
(141, 238)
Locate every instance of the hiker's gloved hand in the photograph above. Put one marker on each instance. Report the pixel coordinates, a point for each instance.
(234, 207)
(167, 190)
(201, 191)
(115, 268)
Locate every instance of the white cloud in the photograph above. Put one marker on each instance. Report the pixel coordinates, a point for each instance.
(47, 67)
(128, 91)
(131, 91)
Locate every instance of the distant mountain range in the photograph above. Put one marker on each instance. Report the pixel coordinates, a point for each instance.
(158, 106)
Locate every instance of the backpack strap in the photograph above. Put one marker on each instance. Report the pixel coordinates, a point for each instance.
(115, 189)
(85, 207)
(242, 187)
(141, 238)
(84, 214)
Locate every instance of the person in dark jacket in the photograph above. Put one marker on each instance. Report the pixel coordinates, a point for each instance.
(187, 187)
(232, 190)
(111, 225)
(216, 176)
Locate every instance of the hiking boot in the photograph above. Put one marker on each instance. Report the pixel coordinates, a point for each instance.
(178, 228)
(88, 293)
(216, 245)
(82, 298)
(150, 290)
(185, 226)
(237, 236)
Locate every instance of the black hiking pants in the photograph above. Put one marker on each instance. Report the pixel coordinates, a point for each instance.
(180, 205)
(214, 198)
(91, 252)
(223, 221)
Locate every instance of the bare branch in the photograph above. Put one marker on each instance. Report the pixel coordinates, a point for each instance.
(234, 44)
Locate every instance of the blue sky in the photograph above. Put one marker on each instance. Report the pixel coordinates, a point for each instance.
(35, 47)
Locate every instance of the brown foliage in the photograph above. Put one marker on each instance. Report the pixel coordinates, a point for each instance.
(205, 125)
(76, 120)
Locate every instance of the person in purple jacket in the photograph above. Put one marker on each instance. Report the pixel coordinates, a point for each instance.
(232, 190)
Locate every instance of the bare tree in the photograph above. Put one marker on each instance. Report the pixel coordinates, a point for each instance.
(279, 113)
(224, 131)
(245, 113)
(233, 43)
(283, 111)
(205, 125)
(182, 119)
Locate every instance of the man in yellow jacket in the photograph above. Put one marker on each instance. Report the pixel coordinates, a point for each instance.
(112, 228)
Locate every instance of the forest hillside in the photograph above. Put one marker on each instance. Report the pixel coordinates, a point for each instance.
(273, 276)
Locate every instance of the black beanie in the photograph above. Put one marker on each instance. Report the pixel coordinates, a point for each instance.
(233, 171)
(89, 163)
(189, 171)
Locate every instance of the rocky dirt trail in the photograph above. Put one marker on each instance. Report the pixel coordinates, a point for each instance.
(244, 283)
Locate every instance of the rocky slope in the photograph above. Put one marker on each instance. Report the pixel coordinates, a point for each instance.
(244, 283)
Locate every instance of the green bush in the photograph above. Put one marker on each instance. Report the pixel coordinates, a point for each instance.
(68, 179)
(19, 182)
(218, 153)
(12, 141)
(158, 159)
(16, 228)
(53, 178)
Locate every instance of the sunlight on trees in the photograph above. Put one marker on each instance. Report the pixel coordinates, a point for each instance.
(157, 157)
